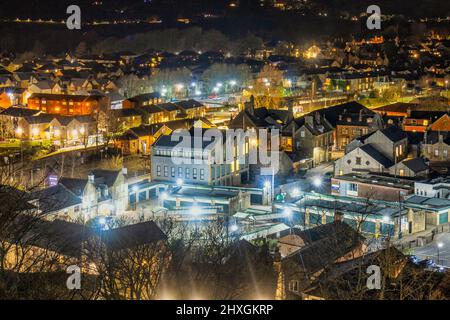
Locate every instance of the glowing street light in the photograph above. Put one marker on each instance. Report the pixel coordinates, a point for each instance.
(198, 92)
(195, 210)
(234, 228)
(164, 195)
(19, 131)
(233, 82)
(296, 192)
(267, 184)
(317, 182)
(102, 221)
(216, 89)
(219, 84)
(287, 212)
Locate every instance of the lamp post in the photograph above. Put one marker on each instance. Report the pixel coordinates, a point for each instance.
(288, 213)
(268, 191)
(439, 246)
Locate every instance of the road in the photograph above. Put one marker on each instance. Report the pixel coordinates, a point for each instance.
(431, 249)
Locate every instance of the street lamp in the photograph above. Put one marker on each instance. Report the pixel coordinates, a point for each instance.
(287, 212)
(439, 246)
(196, 210)
(317, 182)
(164, 195)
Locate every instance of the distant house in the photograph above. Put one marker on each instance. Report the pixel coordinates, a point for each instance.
(103, 193)
(129, 118)
(45, 86)
(380, 151)
(305, 255)
(442, 124)
(145, 99)
(69, 243)
(191, 108)
(313, 138)
(372, 186)
(65, 104)
(384, 151)
(436, 146)
(12, 96)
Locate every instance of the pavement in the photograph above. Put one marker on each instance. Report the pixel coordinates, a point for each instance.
(430, 250)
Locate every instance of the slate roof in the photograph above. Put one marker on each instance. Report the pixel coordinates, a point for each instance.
(128, 112)
(76, 186)
(318, 128)
(376, 155)
(416, 165)
(107, 177)
(332, 113)
(40, 118)
(60, 236)
(394, 134)
(68, 97)
(189, 104)
(19, 112)
(55, 198)
(144, 97)
(133, 235)
(325, 245)
(432, 137)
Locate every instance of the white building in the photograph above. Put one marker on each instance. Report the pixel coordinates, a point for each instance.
(194, 163)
